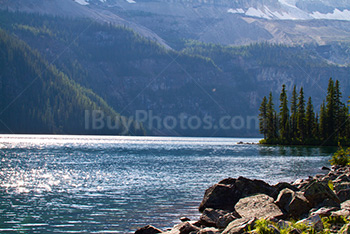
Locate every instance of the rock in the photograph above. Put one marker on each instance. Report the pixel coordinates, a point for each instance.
(317, 192)
(227, 193)
(183, 228)
(342, 212)
(345, 205)
(313, 221)
(223, 221)
(283, 185)
(210, 217)
(341, 186)
(148, 230)
(282, 224)
(325, 168)
(324, 211)
(209, 231)
(343, 194)
(239, 226)
(342, 178)
(258, 206)
(345, 229)
(184, 219)
(284, 198)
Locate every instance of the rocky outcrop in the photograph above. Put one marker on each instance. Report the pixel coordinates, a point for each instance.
(258, 206)
(234, 206)
(228, 192)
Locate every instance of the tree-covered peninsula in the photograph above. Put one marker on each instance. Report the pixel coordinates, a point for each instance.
(298, 123)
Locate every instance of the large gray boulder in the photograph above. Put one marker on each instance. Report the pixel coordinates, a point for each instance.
(294, 204)
(258, 206)
(217, 218)
(319, 194)
(227, 193)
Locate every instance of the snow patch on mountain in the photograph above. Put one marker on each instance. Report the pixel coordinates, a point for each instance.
(82, 2)
(288, 10)
(130, 1)
(336, 15)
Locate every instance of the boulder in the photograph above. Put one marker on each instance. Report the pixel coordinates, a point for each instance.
(324, 211)
(210, 217)
(343, 212)
(183, 228)
(184, 219)
(210, 230)
(345, 229)
(223, 221)
(343, 194)
(313, 221)
(239, 226)
(283, 185)
(258, 206)
(341, 186)
(317, 192)
(345, 205)
(149, 229)
(227, 193)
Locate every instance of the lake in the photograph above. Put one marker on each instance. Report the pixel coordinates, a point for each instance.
(107, 184)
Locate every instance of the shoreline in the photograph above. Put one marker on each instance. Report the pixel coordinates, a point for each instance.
(321, 203)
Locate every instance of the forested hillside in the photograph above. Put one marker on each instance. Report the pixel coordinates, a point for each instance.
(36, 97)
(204, 82)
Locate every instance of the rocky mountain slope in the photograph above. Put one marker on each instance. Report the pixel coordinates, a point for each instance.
(221, 22)
(204, 90)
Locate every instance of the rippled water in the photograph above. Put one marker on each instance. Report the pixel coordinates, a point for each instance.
(86, 184)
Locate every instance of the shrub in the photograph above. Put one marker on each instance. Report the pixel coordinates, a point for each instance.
(341, 157)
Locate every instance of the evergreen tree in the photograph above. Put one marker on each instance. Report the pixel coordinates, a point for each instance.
(301, 116)
(263, 117)
(294, 110)
(271, 118)
(330, 112)
(310, 123)
(323, 122)
(284, 115)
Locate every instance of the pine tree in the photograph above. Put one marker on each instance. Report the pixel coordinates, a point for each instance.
(270, 115)
(323, 122)
(310, 120)
(330, 111)
(263, 117)
(301, 115)
(284, 115)
(293, 117)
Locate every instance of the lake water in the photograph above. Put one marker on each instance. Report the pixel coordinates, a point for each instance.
(93, 184)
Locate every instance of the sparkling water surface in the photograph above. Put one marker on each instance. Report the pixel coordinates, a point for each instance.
(104, 184)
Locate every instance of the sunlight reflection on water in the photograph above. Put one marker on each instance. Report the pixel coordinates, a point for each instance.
(96, 184)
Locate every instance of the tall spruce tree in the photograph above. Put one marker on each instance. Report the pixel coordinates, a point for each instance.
(310, 123)
(294, 111)
(263, 117)
(330, 112)
(284, 115)
(270, 115)
(323, 122)
(301, 116)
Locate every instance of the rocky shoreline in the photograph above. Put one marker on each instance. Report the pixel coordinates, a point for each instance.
(319, 204)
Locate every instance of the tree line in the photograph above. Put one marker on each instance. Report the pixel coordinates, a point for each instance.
(299, 124)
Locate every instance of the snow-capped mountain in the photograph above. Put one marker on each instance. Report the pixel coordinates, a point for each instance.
(267, 9)
(215, 21)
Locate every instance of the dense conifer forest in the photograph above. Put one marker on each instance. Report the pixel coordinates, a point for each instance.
(35, 97)
(299, 124)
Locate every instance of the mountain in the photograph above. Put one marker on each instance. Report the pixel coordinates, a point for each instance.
(202, 90)
(225, 22)
(35, 97)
